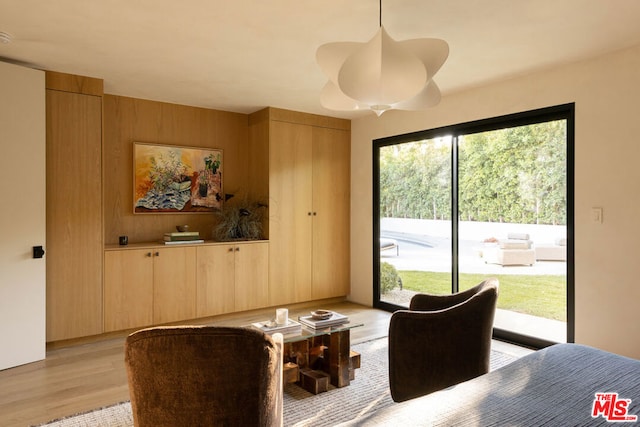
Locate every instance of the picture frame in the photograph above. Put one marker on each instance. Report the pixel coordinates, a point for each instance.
(176, 179)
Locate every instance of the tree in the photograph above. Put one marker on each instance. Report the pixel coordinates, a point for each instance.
(515, 174)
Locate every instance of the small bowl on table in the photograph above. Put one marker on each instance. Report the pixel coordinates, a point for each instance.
(321, 314)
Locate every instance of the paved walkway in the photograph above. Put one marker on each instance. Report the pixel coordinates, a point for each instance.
(425, 253)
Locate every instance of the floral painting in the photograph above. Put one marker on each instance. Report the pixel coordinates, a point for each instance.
(172, 179)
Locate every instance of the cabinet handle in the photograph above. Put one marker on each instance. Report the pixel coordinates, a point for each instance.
(148, 254)
(314, 214)
(230, 250)
(237, 249)
(309, 213)
(157, 254)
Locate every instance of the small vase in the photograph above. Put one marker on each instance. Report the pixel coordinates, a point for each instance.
(203, 189)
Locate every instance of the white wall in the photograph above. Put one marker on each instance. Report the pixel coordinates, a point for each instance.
(606, 92)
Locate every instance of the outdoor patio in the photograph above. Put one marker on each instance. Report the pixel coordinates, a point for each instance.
(428, 248)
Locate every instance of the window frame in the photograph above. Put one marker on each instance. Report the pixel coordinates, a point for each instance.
(558, 112)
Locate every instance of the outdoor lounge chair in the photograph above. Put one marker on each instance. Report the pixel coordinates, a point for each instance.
(387, 244)
(515, 250)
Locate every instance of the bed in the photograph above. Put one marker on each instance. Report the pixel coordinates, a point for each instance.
(555, 386)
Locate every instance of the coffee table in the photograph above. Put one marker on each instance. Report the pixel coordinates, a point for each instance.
(326, 349)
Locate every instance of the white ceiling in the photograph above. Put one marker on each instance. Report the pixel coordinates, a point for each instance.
(243, 55)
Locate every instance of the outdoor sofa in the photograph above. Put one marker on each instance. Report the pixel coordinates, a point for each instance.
(516, 249)
(552, 252)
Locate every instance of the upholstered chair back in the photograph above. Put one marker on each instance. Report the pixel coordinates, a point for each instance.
(204, 376)
(441, 340)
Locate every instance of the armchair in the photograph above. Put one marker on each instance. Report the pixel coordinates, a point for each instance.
(204, 375)
(441, 340)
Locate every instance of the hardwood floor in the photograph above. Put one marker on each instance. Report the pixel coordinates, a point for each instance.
(87, 375)
(81, 376)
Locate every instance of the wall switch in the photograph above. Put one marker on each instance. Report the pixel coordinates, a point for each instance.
(596, 215)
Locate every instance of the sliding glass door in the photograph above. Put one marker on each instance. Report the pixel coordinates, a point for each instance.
(484, 199)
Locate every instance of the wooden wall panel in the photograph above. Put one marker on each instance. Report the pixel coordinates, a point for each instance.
(281, 115)
(259, 161)
(72, 83)
(74, 215)
(128, 120)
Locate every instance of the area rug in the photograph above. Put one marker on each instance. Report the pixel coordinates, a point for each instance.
(368, 392)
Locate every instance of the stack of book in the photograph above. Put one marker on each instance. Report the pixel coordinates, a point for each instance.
(314, 322)
(182, 237)
(271, 327)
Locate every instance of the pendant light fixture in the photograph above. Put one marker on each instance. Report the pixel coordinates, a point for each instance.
(381, 74)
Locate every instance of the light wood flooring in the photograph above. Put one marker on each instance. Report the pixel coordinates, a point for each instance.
(83, 375)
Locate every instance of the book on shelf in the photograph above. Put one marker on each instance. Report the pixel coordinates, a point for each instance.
(182, 233)
(271, 327)
(182, 242)
(187, 235)
(180, 238)
(336, 319)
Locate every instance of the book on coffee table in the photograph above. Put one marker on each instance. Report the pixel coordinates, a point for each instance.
(336, 319)
(271, 327)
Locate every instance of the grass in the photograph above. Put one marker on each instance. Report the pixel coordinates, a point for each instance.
(542, 296)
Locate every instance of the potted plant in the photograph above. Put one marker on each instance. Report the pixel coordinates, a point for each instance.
(242, 221)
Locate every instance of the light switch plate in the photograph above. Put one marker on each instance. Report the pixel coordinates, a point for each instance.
(596, 215)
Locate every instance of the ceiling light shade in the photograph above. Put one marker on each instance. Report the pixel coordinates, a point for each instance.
(381, 74)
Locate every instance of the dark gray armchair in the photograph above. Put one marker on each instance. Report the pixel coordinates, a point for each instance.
(441, 340)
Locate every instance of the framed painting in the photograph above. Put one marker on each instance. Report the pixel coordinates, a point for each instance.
(174, 179)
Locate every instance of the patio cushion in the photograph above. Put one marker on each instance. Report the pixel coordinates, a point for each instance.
(514, 244)
(518, 236)
(561, 241)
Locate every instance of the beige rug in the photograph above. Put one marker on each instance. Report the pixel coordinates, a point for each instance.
(368, 392)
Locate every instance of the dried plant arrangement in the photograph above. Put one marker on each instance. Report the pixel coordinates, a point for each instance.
(241, 221)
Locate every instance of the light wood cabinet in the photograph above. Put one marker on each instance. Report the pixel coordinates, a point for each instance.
(215, 280)
(232, 277)
(290, 213)
(331, 213)
(309, 190)
(251, 275)
(74, 206)
(128, 289)
(174, 284)
(149, 286)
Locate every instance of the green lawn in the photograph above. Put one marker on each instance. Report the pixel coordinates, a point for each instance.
(542, 296)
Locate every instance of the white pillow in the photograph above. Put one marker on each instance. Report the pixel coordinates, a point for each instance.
(518, 236)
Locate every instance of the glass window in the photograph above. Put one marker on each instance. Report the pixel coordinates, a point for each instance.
(507, 183)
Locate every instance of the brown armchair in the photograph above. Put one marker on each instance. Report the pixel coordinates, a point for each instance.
(204, 375)
(441, 340)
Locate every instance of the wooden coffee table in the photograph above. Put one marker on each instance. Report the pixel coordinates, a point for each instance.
(315, 351)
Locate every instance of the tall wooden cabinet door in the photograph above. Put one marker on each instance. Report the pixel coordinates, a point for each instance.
(331, 206)
(290, 212)
(251, 271)
(174, 284)
(74, 215)
(215, 292)
(128, 289)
